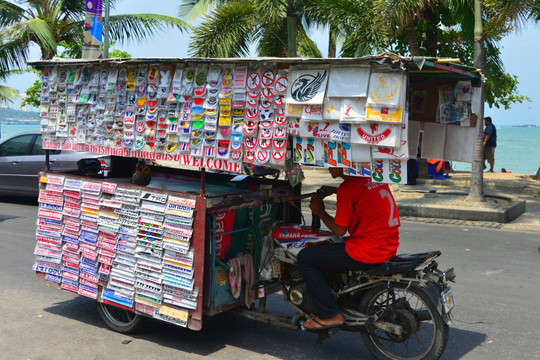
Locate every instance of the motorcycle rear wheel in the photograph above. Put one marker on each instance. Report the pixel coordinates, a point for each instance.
(119, 320)
(425, 334)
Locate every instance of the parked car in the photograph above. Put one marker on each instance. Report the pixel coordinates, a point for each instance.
(22, 158)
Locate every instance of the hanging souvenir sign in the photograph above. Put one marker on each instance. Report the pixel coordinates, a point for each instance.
(381, 134)
(249, 155)
(458, 142)
(337, 154)
(294, 110)
(361, 153)
(348, 82)
(353, 110)
(281, 84)
(400, 152)
(433, 140)
(385, 89)
(262, 157)
(294, 126)
(308, 151)
(387, 114)
(240, 77)
(268, 78)
(264, 143)
(340, 132)
(389, 171)
(332, 108)
(253, 81)
(315, 129)
(312, 112)
(278, 157)
(307, 86)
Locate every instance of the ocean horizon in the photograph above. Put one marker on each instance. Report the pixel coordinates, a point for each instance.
(517, 149)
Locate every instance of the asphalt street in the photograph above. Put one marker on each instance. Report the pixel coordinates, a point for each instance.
(495, 316)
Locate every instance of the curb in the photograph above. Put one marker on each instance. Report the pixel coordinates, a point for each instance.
(500, 215)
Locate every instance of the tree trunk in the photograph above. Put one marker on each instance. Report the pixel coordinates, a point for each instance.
(476, 192)
(291, 30)
(431, 41)
(331, 43)
(410, 34)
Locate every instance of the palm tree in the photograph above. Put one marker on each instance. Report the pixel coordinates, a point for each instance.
(8, 94)
(230, 27)
(46, 23)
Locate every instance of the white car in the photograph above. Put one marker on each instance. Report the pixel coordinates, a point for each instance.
(22, 158)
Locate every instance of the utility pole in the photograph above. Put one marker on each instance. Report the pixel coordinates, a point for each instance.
(106, 30)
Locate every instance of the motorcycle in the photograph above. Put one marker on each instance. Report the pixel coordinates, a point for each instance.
(401, 308)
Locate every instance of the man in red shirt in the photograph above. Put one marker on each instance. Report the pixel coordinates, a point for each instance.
(368, 212)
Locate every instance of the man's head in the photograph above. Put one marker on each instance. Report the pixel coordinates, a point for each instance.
(336, 172)
(487, 120)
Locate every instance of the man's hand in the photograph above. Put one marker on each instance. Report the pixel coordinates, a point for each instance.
(316, 205)
(328, 190)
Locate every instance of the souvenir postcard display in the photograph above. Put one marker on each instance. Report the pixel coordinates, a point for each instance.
(219, 116)
(132, 244)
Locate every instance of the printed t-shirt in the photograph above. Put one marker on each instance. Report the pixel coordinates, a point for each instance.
(369, 212)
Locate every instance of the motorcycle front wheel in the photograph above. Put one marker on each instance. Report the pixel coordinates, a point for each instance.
(119, 320)
(424, 333)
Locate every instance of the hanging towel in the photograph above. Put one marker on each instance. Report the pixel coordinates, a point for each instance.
(242, 268)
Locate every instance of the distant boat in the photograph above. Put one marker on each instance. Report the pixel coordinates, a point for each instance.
(525, 125)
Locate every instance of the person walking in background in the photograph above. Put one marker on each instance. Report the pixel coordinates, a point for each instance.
(490, 143)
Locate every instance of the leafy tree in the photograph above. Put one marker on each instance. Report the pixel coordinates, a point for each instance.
(230, 27)
(47, 23)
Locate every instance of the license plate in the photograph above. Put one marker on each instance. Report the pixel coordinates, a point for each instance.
(174, 313)
(447, 300)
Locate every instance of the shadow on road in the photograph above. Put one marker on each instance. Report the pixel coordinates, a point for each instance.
(226, 330)
(22, 200)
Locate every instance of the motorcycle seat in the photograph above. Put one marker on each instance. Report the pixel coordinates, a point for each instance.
(401, 263)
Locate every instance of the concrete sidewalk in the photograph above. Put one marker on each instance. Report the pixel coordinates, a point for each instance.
(513, 200)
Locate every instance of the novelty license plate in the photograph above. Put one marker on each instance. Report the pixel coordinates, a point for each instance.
(447, 300)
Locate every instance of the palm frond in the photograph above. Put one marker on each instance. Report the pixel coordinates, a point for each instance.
(42, 32)
(191, 10)
(273, 40)
(512, 12)
(73, 8)
(271, 11)
(226, 31)
(125, 28)
(305, 46)
(10, 13)
(32, 30)
(13, 53)
(7, 94)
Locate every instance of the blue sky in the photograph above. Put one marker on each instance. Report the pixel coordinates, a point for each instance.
(519, 52)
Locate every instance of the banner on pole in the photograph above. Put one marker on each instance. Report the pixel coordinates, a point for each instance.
(93, 30)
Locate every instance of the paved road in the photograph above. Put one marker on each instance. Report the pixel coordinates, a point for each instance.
(495, 316)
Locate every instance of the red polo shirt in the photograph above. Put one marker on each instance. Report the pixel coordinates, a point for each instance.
(369, 212)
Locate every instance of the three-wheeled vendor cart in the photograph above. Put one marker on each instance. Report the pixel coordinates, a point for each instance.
(165, 250)
(227, 218)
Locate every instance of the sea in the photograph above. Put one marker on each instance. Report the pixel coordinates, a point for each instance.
(518, 148)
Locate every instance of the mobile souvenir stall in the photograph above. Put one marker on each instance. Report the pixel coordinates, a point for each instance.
(164, 250)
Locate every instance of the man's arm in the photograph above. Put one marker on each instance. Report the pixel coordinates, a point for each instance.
(317, 208)
(328, 190)
(486, 138)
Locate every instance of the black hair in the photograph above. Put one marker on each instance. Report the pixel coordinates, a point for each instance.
(488, 118)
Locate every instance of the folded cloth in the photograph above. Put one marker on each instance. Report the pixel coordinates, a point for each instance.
(242, 268)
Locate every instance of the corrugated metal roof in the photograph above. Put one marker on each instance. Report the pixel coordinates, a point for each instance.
(423, 66)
